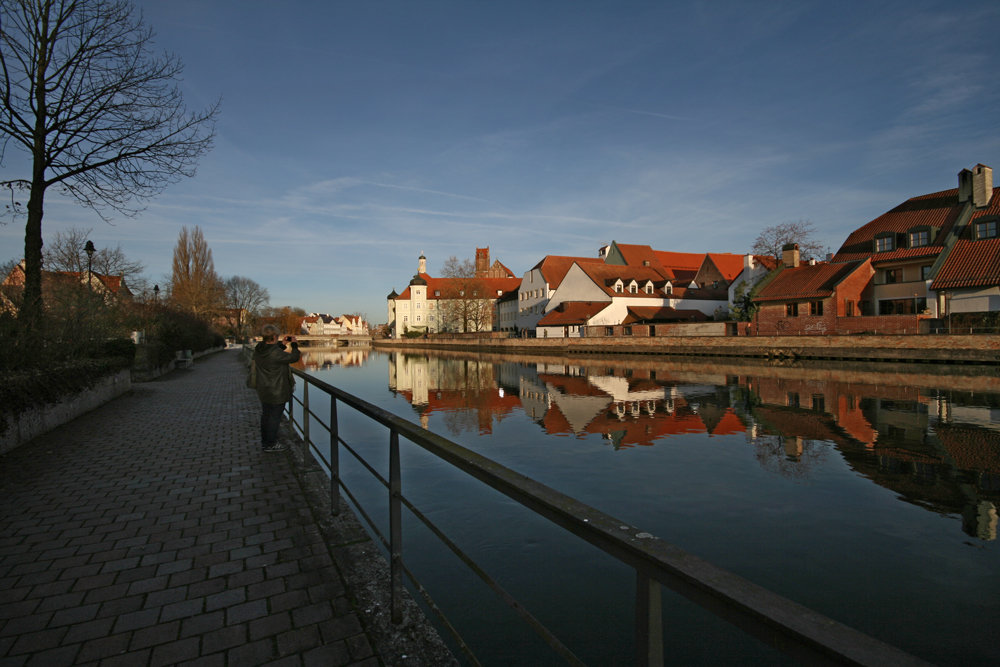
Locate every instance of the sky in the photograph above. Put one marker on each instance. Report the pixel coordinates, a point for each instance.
(355, 136)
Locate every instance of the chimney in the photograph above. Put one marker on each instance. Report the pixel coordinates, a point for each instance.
(982, 185)
(964, 186)
(422, 264)
(748, 261)
(790, 255)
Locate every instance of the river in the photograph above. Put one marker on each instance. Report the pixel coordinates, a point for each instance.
(866, 492)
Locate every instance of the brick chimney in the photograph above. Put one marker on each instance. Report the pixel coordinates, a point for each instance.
(982, 185)
(790, 255)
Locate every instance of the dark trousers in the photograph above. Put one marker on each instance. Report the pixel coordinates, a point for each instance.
(270, 420)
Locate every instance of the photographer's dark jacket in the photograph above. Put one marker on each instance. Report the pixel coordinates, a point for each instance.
(274, 378)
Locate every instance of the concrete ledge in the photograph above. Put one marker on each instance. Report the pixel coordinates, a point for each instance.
(23, 427)
(970, 349)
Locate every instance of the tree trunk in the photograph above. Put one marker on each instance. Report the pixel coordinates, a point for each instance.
(31, 309)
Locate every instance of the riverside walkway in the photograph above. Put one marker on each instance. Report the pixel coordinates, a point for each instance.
(154, 531)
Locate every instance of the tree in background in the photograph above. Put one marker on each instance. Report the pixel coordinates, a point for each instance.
(772, 239)
(100, 114)
(66, 253)
(245, 300)
(465, 303)
(194, 285)
(287, 318)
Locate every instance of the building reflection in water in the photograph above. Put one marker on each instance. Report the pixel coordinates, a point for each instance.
(937, 448)
(322, 358)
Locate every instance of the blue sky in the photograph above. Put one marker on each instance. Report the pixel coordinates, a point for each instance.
(356, 135)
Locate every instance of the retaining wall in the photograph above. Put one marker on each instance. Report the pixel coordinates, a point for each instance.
(973, 349)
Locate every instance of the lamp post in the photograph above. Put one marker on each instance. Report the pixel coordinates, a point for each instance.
(90, 250)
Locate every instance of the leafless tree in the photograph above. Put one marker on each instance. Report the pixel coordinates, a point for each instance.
(771, 239)
(466, 305)
(245, 300)
(98, 112)
(66, 253)
(194, 285)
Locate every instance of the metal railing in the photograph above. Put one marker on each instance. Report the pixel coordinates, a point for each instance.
(788, 626)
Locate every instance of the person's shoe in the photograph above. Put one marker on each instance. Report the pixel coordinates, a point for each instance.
(276, 447)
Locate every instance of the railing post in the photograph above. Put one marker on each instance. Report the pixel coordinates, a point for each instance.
(305, 413)
(334, 458)
(648, 622)
(395, 528)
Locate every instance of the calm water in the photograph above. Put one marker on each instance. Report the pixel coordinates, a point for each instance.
(867, 493)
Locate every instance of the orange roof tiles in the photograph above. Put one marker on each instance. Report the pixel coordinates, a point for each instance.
(808, 281)
(970, 264)
(554, 267)
(572, 312)
(938, 210)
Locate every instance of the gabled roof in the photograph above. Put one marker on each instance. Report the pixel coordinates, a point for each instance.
(606, 275)
(572, 312)
(815, 281)
(728, 264)
(938, 210)
(651, 314)
(554, 267)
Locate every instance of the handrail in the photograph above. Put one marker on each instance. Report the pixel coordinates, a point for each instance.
(788, 626)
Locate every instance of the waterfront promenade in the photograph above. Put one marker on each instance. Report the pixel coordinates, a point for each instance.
(154, 531)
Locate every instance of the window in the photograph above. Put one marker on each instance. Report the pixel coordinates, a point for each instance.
(669, 289)
(633, 288)
(891, 276)
(987, 229)
(815, 307)
(791, 310)
(437, 292)
(884, 243)
(925, 272)
(619, 288)
(849, 308)
(649, 288)
(920, 237)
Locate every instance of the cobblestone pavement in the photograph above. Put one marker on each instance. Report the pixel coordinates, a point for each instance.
(154, 531)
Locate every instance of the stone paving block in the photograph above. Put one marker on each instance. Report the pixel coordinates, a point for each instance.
(153, 531)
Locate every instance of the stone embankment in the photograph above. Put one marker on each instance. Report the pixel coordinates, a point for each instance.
(946, 349)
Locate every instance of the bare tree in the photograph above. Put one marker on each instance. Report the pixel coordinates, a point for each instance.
(245, 299)
(466, 305)
(66, 253)
(194, 285)
(772, 239)
(100, 114)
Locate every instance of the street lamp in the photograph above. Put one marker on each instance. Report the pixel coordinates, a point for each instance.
(90, 250)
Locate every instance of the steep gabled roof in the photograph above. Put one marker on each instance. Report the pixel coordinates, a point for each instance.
(938, 210)
(728, 264)
(816, 281)
(554, 267)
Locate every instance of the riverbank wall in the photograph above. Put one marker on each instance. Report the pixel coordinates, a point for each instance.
(943, 349)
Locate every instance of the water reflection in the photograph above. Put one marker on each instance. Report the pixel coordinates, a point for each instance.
(314, 359)
(931, 438)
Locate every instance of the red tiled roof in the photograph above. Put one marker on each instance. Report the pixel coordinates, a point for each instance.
(728, 264)
(808, 281)
(605, 276)
(938, 210)
(572, 312)
(554, 267)
(443, 285)
(658, 314)
(970, 264)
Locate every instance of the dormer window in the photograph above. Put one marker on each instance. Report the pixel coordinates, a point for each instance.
(619, 287)
(649, 288)
(987, 229)
(633, 288)
(919, 237)
(668, 289)
(885, 243)
(645, 262)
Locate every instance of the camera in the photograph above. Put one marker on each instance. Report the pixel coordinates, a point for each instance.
(288, 339)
